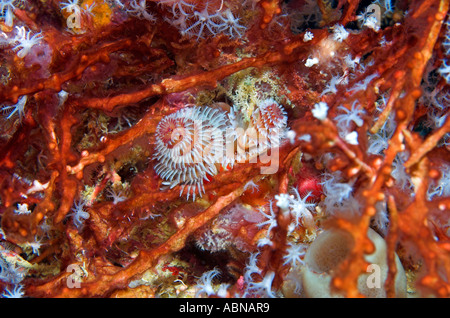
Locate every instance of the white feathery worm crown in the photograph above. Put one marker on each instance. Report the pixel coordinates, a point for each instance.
(189, 143)
(264, 131)
(192, 142)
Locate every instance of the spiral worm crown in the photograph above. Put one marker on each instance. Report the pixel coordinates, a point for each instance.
(265, 130)
(192, 141)
(189, 143)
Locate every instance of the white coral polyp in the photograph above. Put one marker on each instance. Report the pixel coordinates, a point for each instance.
(25, 42)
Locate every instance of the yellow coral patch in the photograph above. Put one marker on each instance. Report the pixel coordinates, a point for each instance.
(101, 13)
(99, 16)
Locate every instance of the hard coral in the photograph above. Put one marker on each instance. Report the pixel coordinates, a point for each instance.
(325, 117)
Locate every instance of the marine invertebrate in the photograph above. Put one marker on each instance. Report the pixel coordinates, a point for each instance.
(251, 267)
(6, 11)
(79, 214)
(202, 19)
(139, 9)
(339, 33)
(230, 24)
(320, 110)
(11, 272)
(22, 209)
(214, 240)
(294, 253)
(262, 288)
(18, 108)
(35, 246)
(271, 219)
(25, 42)
(336, 192)
(16, 292)
(236, 227)
(441, 187)
(189, 144)
(116, 196)
(350, 115)
(301, 209)
(265, 130)
(204, 284)
(330, 249)
(71, 6)
(270, 117)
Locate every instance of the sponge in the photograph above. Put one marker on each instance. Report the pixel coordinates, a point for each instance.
(332, 247)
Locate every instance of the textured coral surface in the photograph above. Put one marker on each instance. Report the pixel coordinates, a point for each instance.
(185, 148)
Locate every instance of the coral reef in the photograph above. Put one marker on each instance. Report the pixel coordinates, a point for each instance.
(186, 148)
